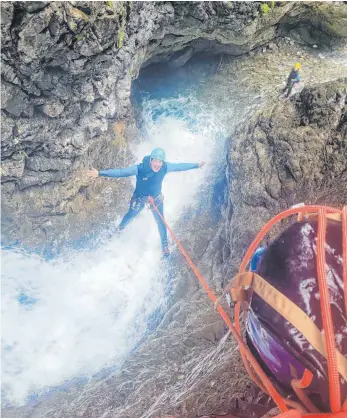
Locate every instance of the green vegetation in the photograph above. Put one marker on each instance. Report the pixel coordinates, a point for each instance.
(81, 36)
(72, 26)
(264, 8)
(122, 13)
(120, 39)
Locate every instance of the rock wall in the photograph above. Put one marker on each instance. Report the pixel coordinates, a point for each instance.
(66, 74)
(319, 22)
(292, 151)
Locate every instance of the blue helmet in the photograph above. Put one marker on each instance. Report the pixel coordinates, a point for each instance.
(158, 154)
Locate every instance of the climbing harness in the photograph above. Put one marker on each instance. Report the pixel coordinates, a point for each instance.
(240, 289)
(156, 200)
(137, 202)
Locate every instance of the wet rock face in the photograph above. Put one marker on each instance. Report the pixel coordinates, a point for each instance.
(293, 151)
(322, 22)
(66, 74)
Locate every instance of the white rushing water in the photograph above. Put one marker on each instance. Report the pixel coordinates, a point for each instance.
(86, 310)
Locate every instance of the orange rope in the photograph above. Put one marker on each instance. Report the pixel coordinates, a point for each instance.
(344, 407)
(323, 415)
(334, 387)
(344, 252)
(298, 385)
(274, 221)
(291, 414)
(333, 374)
(252, 249)
(269, 386)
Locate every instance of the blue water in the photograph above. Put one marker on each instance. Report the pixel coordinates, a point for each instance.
(154, 84)
(163, 95)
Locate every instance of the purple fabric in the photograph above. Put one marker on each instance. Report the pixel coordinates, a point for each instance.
(279, 361)
(289, 264)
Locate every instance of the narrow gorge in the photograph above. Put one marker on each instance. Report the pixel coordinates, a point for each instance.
(99, 84)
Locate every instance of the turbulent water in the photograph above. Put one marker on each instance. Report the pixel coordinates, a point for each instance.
(66, 319)
(69, 318)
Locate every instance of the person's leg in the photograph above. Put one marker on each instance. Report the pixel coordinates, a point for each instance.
(161, 226)
(285, 90)
(136, 205)
(290, 88)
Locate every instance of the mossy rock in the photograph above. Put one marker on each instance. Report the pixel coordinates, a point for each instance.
(330, 18)
(265, 8)
(120, 39)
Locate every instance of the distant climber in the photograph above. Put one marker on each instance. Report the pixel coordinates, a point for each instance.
(149, 178)
(293, 78)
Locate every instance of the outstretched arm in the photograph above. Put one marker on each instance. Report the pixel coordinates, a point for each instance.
(114, 172)
(171, 167)
(120, 172)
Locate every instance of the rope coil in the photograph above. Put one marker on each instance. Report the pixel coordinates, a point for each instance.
(261, 379)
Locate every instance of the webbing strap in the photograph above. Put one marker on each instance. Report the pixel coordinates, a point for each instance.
(235, 329)
(290, 311)
(298, 385)
(249, 356)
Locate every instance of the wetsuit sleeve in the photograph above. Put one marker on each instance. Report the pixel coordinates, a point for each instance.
(120, 172)
(171, 167)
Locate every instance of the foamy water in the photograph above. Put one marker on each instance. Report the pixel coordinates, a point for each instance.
(87, 310)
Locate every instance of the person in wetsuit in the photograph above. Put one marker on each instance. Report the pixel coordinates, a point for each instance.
(149, 178)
